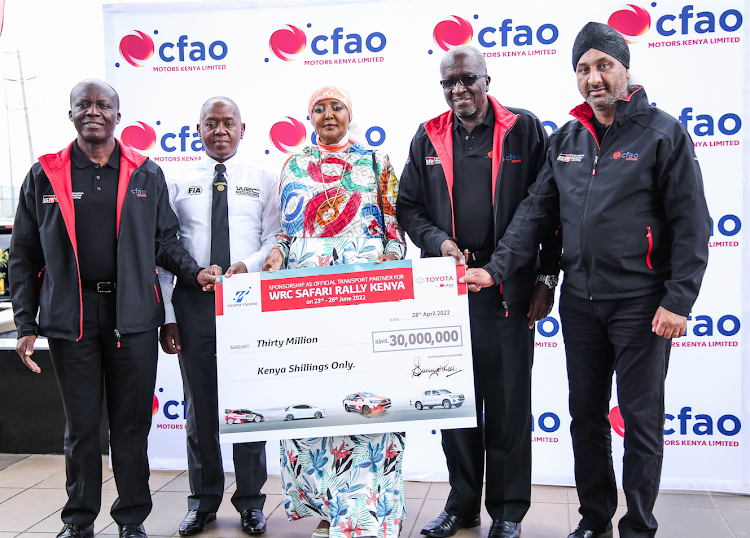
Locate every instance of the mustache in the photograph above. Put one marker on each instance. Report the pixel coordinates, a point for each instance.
(598, 87)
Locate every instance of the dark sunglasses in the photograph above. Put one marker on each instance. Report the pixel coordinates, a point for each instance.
(465, 80)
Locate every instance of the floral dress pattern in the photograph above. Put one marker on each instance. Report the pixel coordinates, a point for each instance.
(354, 482)
(330, 215)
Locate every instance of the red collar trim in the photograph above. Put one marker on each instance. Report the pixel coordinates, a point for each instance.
(440, 132)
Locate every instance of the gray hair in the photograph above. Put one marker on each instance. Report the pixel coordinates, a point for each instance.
(464, 50)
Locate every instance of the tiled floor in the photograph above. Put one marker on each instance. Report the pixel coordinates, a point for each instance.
(32, 493)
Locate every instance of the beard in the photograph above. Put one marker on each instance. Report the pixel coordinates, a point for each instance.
(608, 100)
(467, 113)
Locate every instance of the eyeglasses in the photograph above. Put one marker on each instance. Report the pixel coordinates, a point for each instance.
(465, 80)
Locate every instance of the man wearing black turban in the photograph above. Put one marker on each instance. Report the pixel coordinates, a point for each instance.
(624, 181)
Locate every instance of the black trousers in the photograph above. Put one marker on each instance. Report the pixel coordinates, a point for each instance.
(194, 310)
(602, 337)
(83, 370)
(503, 351)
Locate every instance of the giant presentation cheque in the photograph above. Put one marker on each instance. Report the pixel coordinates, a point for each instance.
(341, 350)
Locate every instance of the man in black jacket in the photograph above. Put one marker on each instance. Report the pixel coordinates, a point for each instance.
(624, 180)
(93, 221)
(468, 169)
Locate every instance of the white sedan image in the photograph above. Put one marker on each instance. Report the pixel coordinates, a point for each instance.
(294, 412)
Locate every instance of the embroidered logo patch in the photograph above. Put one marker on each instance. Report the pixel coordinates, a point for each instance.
(49, 199)
(247, 191)
(430, 161)
(140, 193)
(77, 195)
(570, 158)
(513, 158)
(628, 156)
(195, 190)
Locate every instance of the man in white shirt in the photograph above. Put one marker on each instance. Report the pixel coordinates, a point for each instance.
(229, 216)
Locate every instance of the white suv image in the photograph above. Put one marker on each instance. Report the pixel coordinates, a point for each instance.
(441, 397)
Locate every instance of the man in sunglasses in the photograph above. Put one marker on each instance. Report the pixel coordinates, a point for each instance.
(467, 171)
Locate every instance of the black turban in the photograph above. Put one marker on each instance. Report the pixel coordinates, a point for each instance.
(596, 35)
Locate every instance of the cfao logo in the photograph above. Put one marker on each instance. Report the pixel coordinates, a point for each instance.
(631, 21)
(287, 134)
(452, 32)
(616, 421)
(287, 42)
(701, 425)
(141, 136)
(136, 47)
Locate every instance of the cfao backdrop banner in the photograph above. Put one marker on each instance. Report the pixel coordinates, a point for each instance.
(165, 60)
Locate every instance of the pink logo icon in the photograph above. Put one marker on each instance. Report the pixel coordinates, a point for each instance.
(631, 21)
(136, 48)
(287, 134)
(616, 421)
(453, 31)
(140, 136)
(287, 42)
(155, 406)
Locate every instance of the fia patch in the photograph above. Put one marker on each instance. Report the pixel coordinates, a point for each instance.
(247, 191)
(195, 190)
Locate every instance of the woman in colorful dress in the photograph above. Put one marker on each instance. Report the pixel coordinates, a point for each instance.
(337, 199)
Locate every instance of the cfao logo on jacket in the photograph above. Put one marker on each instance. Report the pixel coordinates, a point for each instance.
(140, 193)
(626, 155)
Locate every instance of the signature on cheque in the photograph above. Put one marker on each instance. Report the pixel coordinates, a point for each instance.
(446, 368)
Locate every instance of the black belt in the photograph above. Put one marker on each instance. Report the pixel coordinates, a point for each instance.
(478, 255)
(101, 287)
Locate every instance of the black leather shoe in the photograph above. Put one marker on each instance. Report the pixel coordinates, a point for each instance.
(195, 521)
(76, 531)
(253, 521)
(447, 525)
(132, 530)
(504, 529)
(585, 533)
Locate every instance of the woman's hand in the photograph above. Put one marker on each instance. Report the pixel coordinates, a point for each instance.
(273, 261)
(390, 257)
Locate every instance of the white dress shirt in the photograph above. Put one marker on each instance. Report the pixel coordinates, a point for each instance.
(253, 204)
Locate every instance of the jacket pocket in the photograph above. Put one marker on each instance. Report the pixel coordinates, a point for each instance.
(650, 238)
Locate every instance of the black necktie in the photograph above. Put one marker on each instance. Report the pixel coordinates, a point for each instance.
(220, 220)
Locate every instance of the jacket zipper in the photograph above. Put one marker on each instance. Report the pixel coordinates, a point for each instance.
(122, 223)
(494, 209)
(584, 250)
(650, 246)
(155, 288)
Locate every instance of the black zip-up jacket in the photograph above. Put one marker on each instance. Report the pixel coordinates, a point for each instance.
(425, 200)
(634, 217)
(43, 266)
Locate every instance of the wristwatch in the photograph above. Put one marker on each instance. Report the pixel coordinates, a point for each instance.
(549, 280)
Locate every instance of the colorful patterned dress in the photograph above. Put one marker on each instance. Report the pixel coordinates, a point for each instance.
(330, 216)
